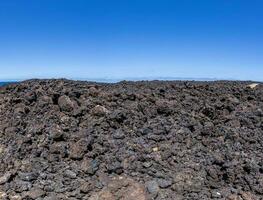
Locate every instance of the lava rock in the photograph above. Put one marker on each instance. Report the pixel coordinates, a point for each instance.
(99, 111)
(78, 149)
(34, 193)
(152, 187)
(5, 178)
(89, 166)
(121, 188)
(62, 139)
(163, 183)
(119, 134)
(65, 103)
(86, 187)
(70, 174)
(56, 133)
(115, 167)
(27, 176)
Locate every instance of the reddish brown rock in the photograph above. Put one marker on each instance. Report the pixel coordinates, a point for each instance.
(121, 188)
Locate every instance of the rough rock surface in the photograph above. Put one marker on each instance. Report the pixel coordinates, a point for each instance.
(63, 139)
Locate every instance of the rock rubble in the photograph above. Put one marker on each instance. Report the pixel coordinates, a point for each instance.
(62, 139)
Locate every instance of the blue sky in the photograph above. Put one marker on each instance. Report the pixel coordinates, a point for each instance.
(131, 38)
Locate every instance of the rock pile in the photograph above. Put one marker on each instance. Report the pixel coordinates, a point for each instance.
(63, 139)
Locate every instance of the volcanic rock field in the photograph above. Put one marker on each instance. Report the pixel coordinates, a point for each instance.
(175, 140)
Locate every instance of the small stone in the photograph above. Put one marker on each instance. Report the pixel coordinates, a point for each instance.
(89, 166)
(259, 112)
(216, 194)
(146, 131)
(52, 197)
(152, 187)
(147, 164)
(120, 188)
(233, 197)
(58, 148)
(86, 187)
(117, 115)
(234, 100)
(56, 133)
(119, 135)
(44, 101)
(115, 167)
(35, 193)
(93, 91)
(28, 176)
(102, 195)
(70, 174)
(65, 103)
(99, 110)
(5, 178)
(77, 150)
(30, 96)
(15, 197)
(20, 109)
(164, 107)
(22, 186)
(163, 183)
(247, 196)
(155, 149)
(3, 195)
(1, 149)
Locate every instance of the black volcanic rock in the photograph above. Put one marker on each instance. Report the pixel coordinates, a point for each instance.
(62, 139)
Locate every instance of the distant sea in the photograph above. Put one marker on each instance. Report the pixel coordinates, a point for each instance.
(110, 80)
(5, 83)
(116, 80)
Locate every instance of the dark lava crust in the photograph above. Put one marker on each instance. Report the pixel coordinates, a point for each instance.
(63, 139)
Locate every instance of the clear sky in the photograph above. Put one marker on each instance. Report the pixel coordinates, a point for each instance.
(131, 38)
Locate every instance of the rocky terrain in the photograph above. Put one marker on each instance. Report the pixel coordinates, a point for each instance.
(62, 139)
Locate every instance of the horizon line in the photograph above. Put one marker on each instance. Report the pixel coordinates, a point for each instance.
(118, 79)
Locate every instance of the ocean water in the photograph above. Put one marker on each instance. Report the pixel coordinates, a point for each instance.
(4, 83)
(109, 80)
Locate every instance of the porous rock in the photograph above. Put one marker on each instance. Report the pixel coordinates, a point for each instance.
(62, 139)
